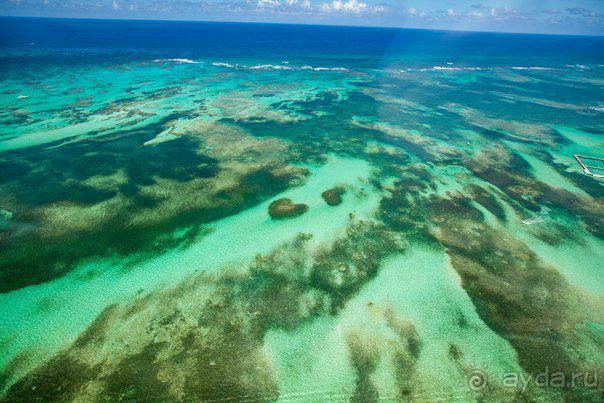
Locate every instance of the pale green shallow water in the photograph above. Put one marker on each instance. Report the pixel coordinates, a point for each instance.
(432, 301)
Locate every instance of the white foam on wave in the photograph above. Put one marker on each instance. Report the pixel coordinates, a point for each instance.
(596, 108)
(176, 60)
(530, 68)
(308, 67)
(222, 64)
(450, 67)
(445, 68)
(284, 66)
(270, 67)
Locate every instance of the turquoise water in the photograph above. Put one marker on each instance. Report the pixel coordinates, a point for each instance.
(141, 258)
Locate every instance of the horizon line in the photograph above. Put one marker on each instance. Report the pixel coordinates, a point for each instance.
(301, 24)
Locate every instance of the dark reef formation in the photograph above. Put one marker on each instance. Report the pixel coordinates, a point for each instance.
(118, 198)
(515, 293)
(285, 208)
(333, 197)
(203, 339)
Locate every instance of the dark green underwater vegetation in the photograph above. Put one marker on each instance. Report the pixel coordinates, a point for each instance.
(216, 353)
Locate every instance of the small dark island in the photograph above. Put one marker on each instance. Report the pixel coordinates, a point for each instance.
(285, 208)
(333, 197)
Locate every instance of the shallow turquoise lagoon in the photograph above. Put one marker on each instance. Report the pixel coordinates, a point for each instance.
(239, 217)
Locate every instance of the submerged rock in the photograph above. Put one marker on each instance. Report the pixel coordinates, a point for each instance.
(285, 208)
(333, 197)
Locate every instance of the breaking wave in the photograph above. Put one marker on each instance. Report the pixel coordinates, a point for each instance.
(176, 60)
(284, 66)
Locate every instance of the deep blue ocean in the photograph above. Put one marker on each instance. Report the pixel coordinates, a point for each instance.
(358, 47)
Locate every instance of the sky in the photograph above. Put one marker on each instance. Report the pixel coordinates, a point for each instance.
(534, 16)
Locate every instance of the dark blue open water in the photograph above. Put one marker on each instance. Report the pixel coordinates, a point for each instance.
(358, 46)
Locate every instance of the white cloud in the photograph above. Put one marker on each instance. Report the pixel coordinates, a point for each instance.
(450, 12)
(339, 6)
(291, 2)
(268, 3)
(412, 10)
(115, 6)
